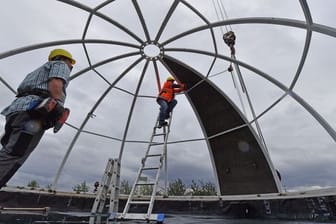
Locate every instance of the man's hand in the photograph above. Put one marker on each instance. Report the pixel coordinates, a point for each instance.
(46, 106)
(61, 120)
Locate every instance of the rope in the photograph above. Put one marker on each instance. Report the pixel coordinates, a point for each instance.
(224, 15)
(221, 28)
(218, 73)
(224, 12)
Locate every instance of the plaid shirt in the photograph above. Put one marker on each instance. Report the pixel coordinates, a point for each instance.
(38, 79)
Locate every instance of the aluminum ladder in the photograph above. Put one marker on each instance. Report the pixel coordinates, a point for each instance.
(151, 164)
(109, 185)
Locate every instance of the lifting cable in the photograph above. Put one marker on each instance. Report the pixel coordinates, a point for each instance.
(223, 13)
(218, 18)
(229, 39)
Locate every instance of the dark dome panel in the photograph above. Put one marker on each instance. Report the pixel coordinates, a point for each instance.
(238, 158)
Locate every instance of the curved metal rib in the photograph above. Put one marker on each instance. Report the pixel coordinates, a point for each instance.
(63, 42)
(74, 140)
(131, 111)
(327, 30)
(290, 92)
(309, 22)
(102, 16)
(166, 19)
(87, 24)
(102, 63)
(7, 85)
(204, 19)
(142, 20)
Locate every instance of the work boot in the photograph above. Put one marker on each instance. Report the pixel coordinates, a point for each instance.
(167, 116)
(162, 123)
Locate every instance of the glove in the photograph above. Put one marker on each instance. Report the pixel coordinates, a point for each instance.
(46, 106)
(53, 117)
(61, 120)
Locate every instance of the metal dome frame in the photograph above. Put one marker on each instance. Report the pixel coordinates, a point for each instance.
(308, 25)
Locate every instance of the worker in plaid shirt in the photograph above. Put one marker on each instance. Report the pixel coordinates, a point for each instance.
(38, 106)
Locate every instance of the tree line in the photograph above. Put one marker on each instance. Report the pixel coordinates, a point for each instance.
(176, 188)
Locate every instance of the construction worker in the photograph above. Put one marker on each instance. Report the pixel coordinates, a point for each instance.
(96, 185)
(166, 99)
(38, 106)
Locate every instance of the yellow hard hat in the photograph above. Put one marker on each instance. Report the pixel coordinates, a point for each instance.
(170, 78)
(61, 52)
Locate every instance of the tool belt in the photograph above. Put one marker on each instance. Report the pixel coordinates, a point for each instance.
(37, 92)
(50, 112)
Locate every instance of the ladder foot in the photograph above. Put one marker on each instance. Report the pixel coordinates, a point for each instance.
(161, 124)
(143, 170)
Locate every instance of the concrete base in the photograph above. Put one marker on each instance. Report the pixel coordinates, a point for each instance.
(318, 205)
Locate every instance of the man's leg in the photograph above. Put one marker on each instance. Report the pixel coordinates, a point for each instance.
(163, 110)
(171, 106)
(21, 137)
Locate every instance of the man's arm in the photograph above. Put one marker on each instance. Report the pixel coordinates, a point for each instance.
(179, 87)
(55, 86)
(58, 80)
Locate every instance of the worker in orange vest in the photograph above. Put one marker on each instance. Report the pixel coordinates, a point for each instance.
(166, 99)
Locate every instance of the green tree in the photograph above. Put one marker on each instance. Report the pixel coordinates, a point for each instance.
(33, 184)
(125, 187)
(203, 188)
(176, 187)
(146, 190)
(194, 187)
(208, 188)
(82, 187)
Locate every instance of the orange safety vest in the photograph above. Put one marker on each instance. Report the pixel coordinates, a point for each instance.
(168, 91)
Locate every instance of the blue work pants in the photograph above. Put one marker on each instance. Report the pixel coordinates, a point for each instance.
(165, 108)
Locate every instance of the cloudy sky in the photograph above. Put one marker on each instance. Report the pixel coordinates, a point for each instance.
(299, 146)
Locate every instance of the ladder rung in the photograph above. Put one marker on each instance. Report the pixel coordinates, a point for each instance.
(150, 183)
(158, 155)
(138, 216)
(139, 202)
(153, 155)
(150, 168)
(101, 199)
(154, 144)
